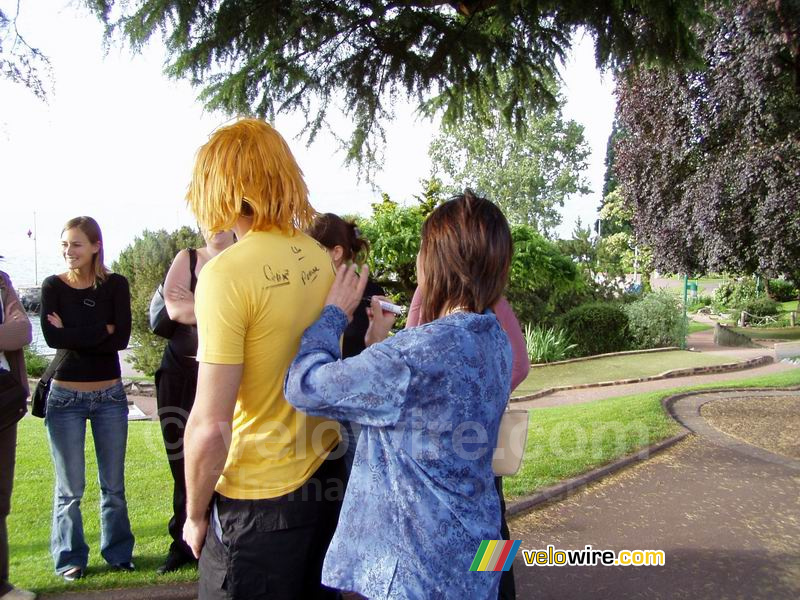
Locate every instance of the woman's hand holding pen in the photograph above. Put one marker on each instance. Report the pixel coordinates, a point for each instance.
(380, 321)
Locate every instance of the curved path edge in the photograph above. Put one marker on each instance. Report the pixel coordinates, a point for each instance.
(675, 373)
(684, 408)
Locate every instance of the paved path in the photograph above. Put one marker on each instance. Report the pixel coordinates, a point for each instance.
(727, 515)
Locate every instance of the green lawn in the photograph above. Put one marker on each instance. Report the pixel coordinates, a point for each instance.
(694, 326)
(769, 333)
(149, 493)
(563, 442)
(566, 441)
(613, 368)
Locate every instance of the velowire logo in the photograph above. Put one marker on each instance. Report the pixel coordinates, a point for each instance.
(495, 555)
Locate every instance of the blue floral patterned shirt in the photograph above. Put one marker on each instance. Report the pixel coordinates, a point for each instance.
(421, 495)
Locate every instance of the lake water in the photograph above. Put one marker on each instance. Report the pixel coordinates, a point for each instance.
(25, 272)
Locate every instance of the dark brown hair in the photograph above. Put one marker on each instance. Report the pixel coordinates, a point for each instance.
(331, 230)
(465, 256)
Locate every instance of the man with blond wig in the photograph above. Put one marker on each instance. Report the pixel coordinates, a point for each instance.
(263, 494)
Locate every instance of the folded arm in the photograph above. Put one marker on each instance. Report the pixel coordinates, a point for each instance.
(121, 331)
(178, 296)
(70, 338)
(15, 330)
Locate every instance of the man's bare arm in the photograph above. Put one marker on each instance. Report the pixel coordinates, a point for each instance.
(205, 444)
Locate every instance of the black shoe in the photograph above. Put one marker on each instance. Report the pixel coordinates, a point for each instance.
(174, 562)
(72, 574)
(128, 567)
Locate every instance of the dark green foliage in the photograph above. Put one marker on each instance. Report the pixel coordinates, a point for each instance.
(761, 307)
(35, 363)
(735, 294)
(275, 56)
(393, 232)
(543, 282)
(782, 290)
(596, 328)
(145, 264)
(710, 159)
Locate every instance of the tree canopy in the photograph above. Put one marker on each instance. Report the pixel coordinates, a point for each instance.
(527, 174)
(19, 62)
(264, 57)
(710, 159)
(145, 263)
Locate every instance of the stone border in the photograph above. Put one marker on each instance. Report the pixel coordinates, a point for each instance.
(708, 370)
(564, 489)
(686, 410)
(606, 355)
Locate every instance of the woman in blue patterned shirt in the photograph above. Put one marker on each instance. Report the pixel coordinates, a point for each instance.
(421, 495)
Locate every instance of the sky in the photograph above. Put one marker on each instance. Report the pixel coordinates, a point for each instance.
(116, 140)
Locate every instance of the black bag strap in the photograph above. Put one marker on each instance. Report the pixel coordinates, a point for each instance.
(53, 366)
(192, 265)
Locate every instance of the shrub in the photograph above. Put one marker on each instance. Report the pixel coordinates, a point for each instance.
(782, 290)
(762, 307)
(734, 294)
(145, 263)
(596, 328)
(542, 280)
(699, 302)
(35, 363)
(655, 321)
(547, 345)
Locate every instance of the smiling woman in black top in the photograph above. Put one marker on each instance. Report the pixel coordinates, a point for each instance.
(86, 316)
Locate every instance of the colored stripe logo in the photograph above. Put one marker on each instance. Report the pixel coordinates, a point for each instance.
(495, 555)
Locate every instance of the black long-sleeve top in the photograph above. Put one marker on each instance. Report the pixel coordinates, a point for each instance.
(92, 351)
(353, 338)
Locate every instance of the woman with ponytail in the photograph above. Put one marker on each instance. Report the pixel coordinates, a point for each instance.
(345, 245)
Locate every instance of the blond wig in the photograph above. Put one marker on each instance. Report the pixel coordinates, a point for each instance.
(91, 230)
(247, 169)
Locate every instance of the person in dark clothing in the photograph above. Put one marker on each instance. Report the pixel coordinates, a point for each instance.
(15, 334)
(176, 381)
(86, 315)
(345, 245)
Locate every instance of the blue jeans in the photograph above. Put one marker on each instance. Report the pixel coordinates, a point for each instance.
(67, 412)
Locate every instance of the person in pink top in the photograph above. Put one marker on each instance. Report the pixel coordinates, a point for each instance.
(508, 321)
(519, 371)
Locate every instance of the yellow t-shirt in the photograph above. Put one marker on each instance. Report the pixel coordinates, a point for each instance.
(253, 302)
